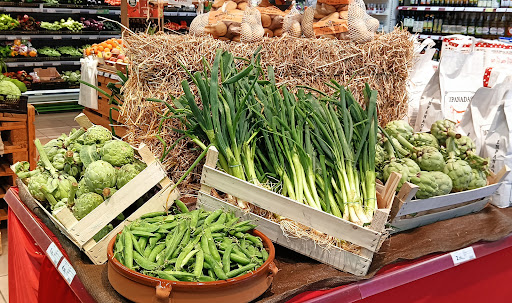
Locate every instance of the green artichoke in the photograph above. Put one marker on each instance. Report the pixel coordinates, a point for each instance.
(411, 165)
(424, 139)
(400, 127)
(59, 161)
(98, 135)
(85, 204)
(108, 192)
(22, 166)
(100, 174)
(140, 165)
(380, 156)
(89, 154)
(64, 186)
(117, 153)
(395, 166)
(82, 188)
(35, 183)
(429, 159)
(444, 183)
(460, 172)
(463, 146)
(427, 184)
(442, 129)
(478, 179)
(53, 147)
(126, 173)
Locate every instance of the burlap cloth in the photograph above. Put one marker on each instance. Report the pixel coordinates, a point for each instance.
(298, 273)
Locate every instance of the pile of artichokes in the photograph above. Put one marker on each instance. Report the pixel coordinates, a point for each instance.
(80, 170)
(439, 162)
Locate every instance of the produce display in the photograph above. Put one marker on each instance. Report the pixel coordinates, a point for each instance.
(11, 87)
(18, 48)
(7, 22)
(20, 76)
(439, 162)
(91, 24)
(28, 23)
(49, 51)
(195, 246)
(315, 148)
(68, 24)
(72, 77)
(69, 51)
(110, 50)
(79, 170)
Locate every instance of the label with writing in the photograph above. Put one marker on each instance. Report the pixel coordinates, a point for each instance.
(455, 104)
(67, 271)
(500, 31)
(132, 3)
(271, 10)
(463, 255)
(493, 31)
(54, 253)
(334, 2)
(235, 15)
(330, 27)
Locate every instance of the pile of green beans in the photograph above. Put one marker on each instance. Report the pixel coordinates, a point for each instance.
(195, 246)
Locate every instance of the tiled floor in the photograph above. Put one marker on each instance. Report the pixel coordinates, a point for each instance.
(48, 126)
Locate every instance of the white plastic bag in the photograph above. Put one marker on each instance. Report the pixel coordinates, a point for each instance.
(89, 73)
(488, 121)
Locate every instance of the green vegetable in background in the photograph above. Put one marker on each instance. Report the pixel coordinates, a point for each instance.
(48, 51)
(117, 153)
(100, 174)
(97, 134)
(9, 88)
(85, 204)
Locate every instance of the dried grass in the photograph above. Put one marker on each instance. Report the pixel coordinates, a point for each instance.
(156, 72)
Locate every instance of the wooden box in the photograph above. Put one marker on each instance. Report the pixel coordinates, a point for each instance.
(407, 213)
(82, 232)
(368, 238)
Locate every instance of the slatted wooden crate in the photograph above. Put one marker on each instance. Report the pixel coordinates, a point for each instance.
(82, 232)
(408, 213)
(368, 238)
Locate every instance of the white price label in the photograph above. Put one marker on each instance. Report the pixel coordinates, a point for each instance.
(463, 255)
(57, 37)
(54, 253)
(435, 8)
(50, 10)
(420, 8)
(501, 10)
(459, 9)
(67, 271)
(25, 38)
(38, 63)
(11, 37)
(449, 9)
(29, 64)
(173, 13)
(75, 37)
(56, 63)
(75, 11)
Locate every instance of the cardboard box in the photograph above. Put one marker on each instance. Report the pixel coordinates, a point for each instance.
(49, 74)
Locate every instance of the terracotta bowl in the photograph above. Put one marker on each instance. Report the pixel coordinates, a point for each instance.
(141, 288)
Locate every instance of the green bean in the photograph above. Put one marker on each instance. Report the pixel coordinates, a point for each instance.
(140, 233)
(239, 259)
(200, 222)
(254, 251)
(241, 270)
(166, 276)
(211, 245)
(195, 218)
(244, 249)
(204, 244)
(174, 243)
(164, 228)
(264, 254)
(214, 215)
(205, 279)
(188, 257)
(143, 262)
(243, 223)
(183, 243)
(128, 248)
(198, 268)
(168, 218)
(119, 248)
(226, 258)
(155, 252)
(153, 214)
(136, 245)
(244, 228)
(222, 219)
(160, 258)
(210, 273)
(183, 208)
(142, 243)
(217, 268)
(231, 222)
(147, 251)
(183, 254)
(150, 228)
(178, 274)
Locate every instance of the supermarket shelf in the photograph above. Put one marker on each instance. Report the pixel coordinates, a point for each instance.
(57, 10)
(5, 170)
(59, 37)
(455, 9)
(379, 14)
(180, 14)
(53, 96)
(433, 37)
(42, 63)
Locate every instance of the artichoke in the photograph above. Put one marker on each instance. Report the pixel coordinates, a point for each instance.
(463, 146)
(399, 127)
(395, 166)
(117, 153)
(427, 183)
(52, 148)
(126, 173)
(429, 159)
(85, 204)
(442, 129)
(380, 156)
(64, 186)
(140, 165)
(411, 165)
(458, 170)
(478, 179)
(97, 134)
(35, 183)
(89, 154)
(22, 166)
(59, 161)
(82, 188)
(100, 174)
(424, 139)
(108, 192)
(444, 183)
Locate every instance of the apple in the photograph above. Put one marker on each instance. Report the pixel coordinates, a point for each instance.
(115, 51)
(126, 60)
(107, 55)
(121, 56)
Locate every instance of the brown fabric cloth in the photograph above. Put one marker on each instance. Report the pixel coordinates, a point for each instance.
(298, 273)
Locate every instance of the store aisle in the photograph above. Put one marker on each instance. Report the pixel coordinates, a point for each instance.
(51, 126)
(4, 288)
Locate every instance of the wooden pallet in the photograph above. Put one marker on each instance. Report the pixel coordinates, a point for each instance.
(368, 238)
(408, 213)
(82, 232)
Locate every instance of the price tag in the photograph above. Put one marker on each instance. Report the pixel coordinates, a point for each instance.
(56, 63)
(92, 37)
(75, 37)
(435, 8)
(38, 63)
(29, 64)
(463, 255)
(409, 8)
(191, 14)
(501, 10)
(489, 10)
(173, 14)
(509, 10)
(75, 11)
(25, 38)
(57, 37)
(421, 8)
(103, 12)
(473, 9)
(67, 271)
(449, 9)
(11, 37)
(54, 253)
(459, 9)
(50, 10)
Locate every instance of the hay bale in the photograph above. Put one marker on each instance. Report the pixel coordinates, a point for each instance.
(155, 71)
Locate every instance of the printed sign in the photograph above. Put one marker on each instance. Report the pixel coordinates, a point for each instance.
(330, 27)
(455, 104)
(233, 16)
(463, 255)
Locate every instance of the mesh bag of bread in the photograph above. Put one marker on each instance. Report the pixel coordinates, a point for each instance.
(224, 24)
(361, 26)
(292, 22)
(272, 19)
(251, 26)
(198, 25)
(230, 4)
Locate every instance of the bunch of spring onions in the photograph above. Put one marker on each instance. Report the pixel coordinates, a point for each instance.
(311, 147)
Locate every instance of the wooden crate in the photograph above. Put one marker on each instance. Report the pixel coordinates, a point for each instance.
(82, 232)
(368, 238)
(407, 213)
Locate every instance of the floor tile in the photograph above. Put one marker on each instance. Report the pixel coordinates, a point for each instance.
(44, 140)
(4, 288)
(39, 134)
(3, 257)
(55, 131)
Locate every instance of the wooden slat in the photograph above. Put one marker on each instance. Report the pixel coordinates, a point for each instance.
(406, 193)
(333, 256)
(400, 225)
(83, 121)
(31, 129)
(416, 206)
(97, 251)
(3, 214)
(291, 209)
(390, 189)
(86, 228)
(211, 161)
(12, 125)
